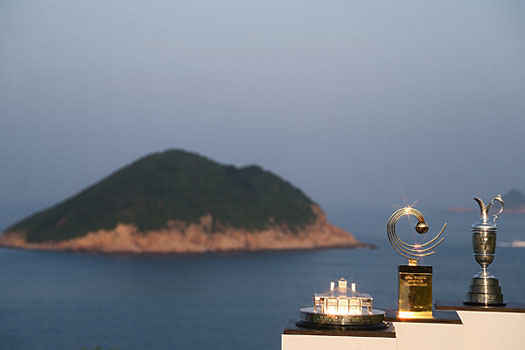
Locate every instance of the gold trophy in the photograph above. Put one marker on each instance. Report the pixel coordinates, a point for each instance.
(415, 281)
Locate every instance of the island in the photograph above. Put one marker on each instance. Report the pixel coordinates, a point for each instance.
(514, 204)
(181, 202)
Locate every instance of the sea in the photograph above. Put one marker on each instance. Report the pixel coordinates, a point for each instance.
(80, 301)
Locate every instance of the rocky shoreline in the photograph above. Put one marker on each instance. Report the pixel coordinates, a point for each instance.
(178, 237)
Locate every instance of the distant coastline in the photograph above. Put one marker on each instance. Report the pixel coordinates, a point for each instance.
(513, 244)
(470, 210)
(460, 210)
(195, 238)
(514, 204)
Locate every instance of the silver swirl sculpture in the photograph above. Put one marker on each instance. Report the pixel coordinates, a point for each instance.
(412, 251)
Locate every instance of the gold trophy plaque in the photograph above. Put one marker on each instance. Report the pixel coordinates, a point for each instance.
(415, 281)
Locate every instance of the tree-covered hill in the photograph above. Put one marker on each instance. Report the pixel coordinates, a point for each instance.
(174, 185)
(514, 200)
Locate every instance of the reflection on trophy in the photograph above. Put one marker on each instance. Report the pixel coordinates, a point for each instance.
(485, 289)
(415, 282)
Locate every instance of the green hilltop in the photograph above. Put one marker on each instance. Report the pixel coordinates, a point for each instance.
(174, 185)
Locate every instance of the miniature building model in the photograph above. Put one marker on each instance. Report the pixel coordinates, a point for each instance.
(342, 300)
(342, 307)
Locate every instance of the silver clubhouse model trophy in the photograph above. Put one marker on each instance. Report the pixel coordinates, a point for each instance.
(484, 289)
(343, 308)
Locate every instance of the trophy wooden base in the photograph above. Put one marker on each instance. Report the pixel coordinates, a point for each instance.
(415, 291)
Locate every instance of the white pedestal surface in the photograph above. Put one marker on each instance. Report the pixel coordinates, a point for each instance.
(477, 330)
(493, 330)
(318, 342)
(428, 336)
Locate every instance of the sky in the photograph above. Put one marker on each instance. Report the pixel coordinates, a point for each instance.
(361, 104)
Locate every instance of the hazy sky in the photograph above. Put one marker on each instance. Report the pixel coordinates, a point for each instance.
(355, 102)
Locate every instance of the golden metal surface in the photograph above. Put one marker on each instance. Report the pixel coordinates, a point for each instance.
(409, 314)
(412, 251)
(415, 293)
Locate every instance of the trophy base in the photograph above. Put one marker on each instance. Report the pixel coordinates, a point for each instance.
(484, 291)
(311, 319)
(417, 314)
(415, 291)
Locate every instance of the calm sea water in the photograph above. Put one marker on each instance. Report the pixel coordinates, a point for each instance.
(53, 300)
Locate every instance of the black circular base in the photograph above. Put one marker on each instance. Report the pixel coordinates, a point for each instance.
(471, 303)
(306, 324)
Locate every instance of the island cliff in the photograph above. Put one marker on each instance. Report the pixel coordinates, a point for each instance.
(181, 202)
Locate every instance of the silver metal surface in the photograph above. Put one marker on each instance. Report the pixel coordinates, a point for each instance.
(412, 251)
(309, 318)
(484, 289)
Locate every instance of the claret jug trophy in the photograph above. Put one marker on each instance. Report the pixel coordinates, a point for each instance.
(485, 289)
(415, 281)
